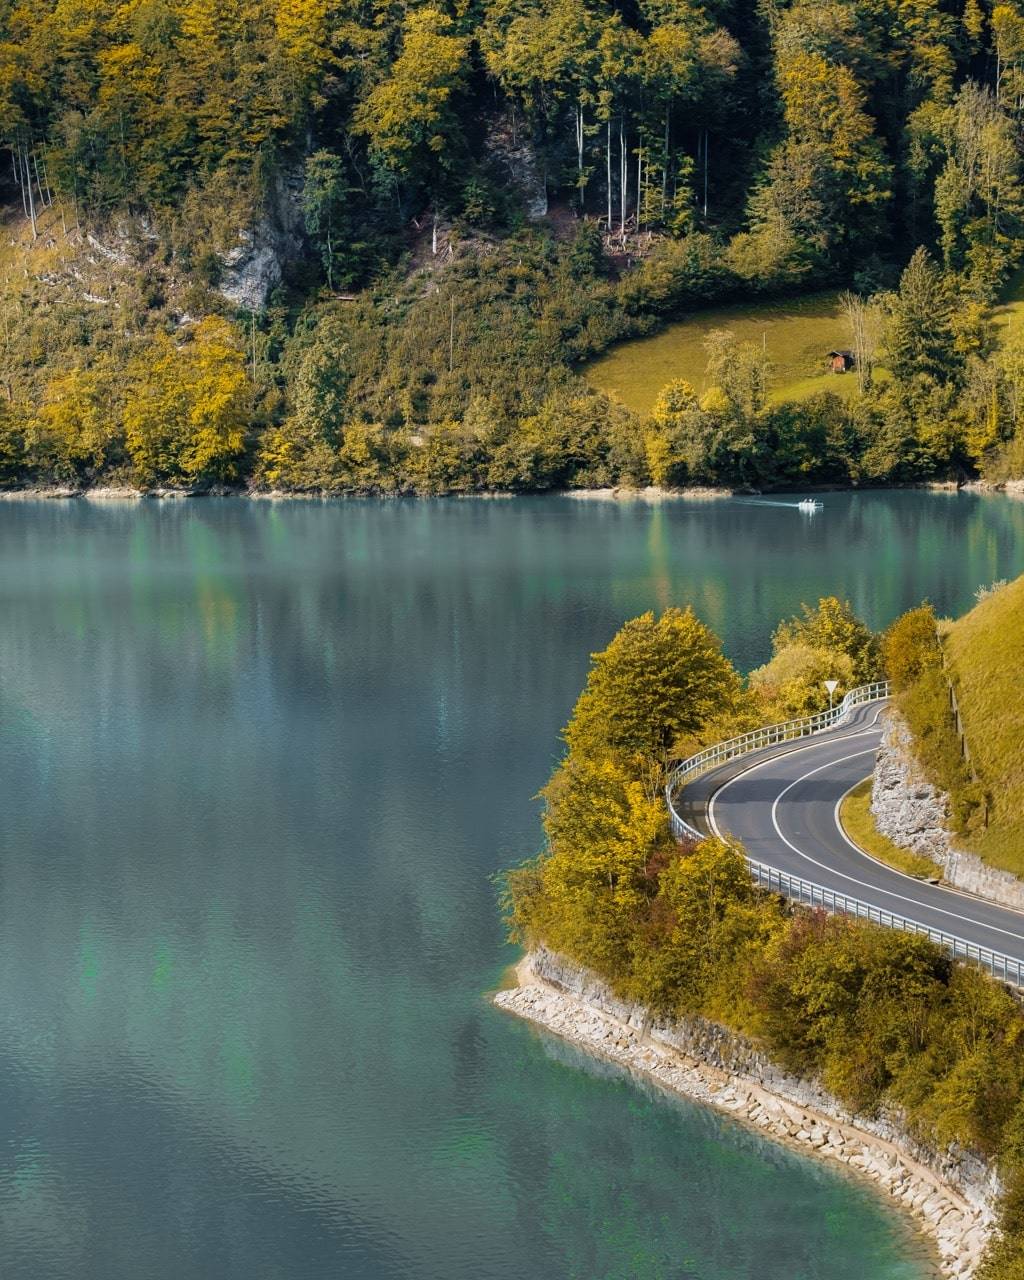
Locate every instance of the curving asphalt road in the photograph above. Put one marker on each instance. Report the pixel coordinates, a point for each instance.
(781, 803)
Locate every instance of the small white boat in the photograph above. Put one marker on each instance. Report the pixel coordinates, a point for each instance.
(810, 504)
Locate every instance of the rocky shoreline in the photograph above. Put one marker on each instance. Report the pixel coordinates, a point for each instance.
(951, 1195)
(100, 493)
(618, 493)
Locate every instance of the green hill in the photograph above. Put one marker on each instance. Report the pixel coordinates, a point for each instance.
(796, 335)
(339, 247)
(985, 657)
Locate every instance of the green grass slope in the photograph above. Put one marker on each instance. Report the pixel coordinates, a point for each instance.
(985, 652)
(797, 334)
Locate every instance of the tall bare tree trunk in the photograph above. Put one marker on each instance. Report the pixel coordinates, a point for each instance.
(16, 170)
(623, 178)
(579, 153)
(28, 188)
(609, 160)
(639, 183)
(864, 324)
(41, 181)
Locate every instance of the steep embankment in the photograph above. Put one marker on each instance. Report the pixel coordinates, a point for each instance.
(985, 657)
(948, 782)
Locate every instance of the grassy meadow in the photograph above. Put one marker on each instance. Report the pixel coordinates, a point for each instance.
(797, 334)
(985, 650)
(1008, 314)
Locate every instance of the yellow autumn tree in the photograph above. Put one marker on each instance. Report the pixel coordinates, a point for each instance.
(1008, 38)
(12, 452)
(305, 30)
(75, 428)
(188, 406)
(664, 432)
(658, 679)
(603, 828)
(825, 105)
(408, 116)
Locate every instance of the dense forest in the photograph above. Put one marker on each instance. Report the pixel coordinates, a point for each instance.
(342, 245)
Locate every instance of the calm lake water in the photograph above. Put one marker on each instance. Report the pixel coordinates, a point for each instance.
(257, 763)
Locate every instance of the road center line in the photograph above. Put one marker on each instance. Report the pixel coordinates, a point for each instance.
(759, 764)
(927, 906)
(824, 866)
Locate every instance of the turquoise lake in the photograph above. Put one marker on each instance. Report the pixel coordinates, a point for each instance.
(258, 763)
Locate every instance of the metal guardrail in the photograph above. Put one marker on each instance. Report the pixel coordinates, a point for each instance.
(711, 757)
(816, 895)
(807, 892)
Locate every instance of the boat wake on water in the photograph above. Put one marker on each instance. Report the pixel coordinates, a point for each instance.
(807, 505)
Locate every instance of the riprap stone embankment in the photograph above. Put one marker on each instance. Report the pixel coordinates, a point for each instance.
(950, 1193)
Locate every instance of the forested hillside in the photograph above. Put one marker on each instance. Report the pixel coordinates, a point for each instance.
(325, 244)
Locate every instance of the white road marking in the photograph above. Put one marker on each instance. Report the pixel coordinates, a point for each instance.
(927, 906)
(814, 861)
(758, 764)
(946, 888)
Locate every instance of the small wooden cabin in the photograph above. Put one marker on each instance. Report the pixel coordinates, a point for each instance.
(840, 361)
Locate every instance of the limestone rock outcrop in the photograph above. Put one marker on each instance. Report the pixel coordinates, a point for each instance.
(913, 814)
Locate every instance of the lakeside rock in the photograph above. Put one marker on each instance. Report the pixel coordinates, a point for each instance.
(650, 493)
(950, 1194)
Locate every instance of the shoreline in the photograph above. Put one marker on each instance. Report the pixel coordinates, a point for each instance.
(616, 493)
(957, 1220)
(124, 493)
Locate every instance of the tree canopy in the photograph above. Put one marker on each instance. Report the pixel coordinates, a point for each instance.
(659, 678)
(509, 188)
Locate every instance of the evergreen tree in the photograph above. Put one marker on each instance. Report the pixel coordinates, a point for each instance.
(918, 332)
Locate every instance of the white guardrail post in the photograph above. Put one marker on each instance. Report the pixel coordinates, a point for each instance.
(806, 891)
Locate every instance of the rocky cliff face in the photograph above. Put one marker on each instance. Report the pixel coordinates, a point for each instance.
(254, 265)
(906, 807)
(913, 814)
(251, 269)
(511, 146)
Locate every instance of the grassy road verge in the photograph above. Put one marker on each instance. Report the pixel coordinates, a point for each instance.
(859, 824)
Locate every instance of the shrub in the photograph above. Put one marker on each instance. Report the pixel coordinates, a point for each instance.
(912, 657)
(910, 647)
(880, 1017)
(795, 678)
(678, 272)
(834, 628)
